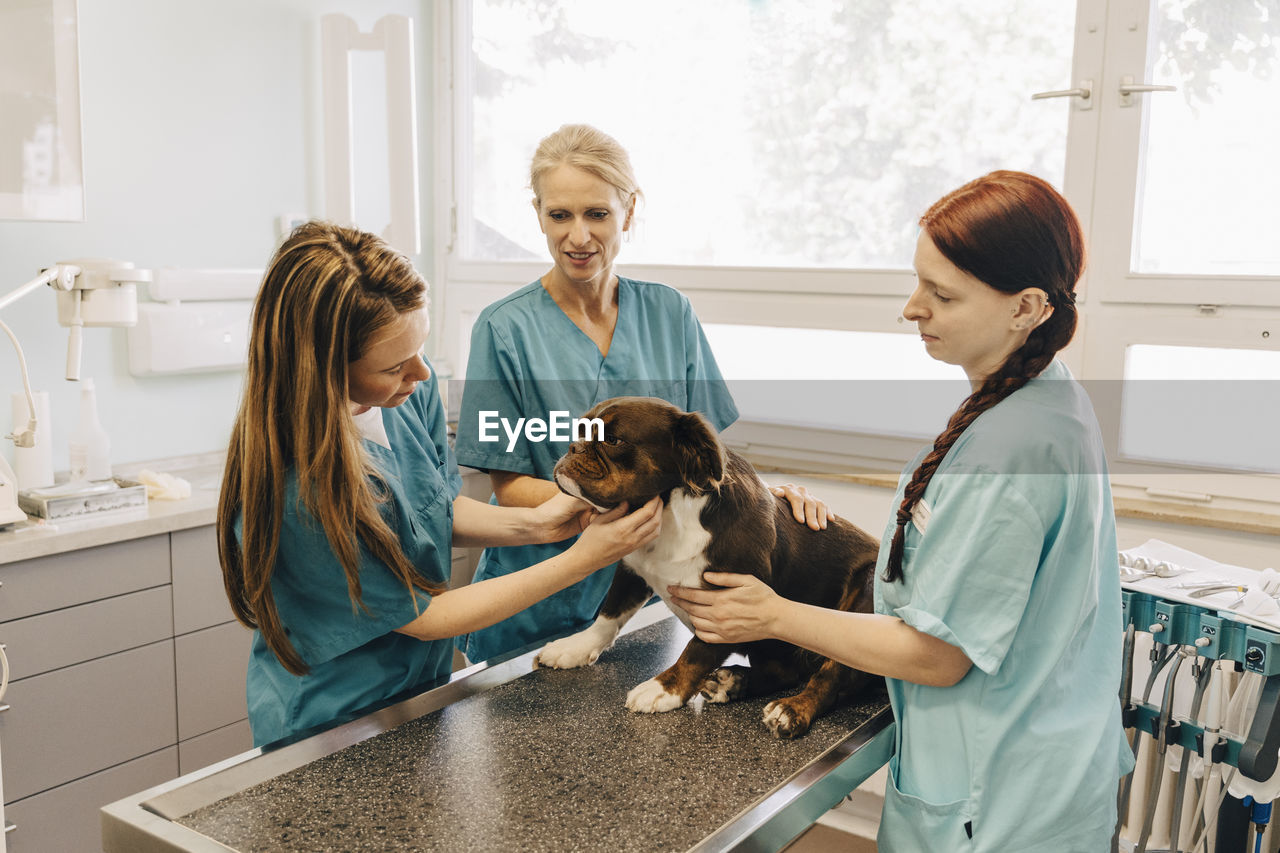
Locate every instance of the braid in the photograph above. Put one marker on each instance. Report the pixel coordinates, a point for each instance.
(1018, 369)
(1010, 231)
(993, 390)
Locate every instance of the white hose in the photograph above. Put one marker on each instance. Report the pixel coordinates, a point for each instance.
(26, 387)
(4, 672)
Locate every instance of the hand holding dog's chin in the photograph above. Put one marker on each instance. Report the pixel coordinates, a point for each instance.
(614, 534)
(560, 517)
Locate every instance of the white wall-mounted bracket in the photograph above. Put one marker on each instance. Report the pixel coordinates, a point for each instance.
(393, 36)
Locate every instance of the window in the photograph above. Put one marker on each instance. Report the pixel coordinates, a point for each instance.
(778, 133)
(1185, 180)
(871, 382)
(1214, 132)
(1175, 397)
(786, 150)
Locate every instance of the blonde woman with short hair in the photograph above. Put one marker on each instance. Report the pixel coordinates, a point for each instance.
(578, 335)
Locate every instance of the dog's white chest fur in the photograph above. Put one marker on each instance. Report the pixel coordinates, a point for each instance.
(679, 555)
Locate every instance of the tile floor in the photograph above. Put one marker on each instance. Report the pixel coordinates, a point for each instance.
(824, 839)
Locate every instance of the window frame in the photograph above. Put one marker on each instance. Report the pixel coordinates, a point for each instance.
(1119, 165)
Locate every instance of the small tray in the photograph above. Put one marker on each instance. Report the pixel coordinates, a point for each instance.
(130, 495)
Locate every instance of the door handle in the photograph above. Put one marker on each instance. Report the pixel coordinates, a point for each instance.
(1084, 92)
(1128, 89)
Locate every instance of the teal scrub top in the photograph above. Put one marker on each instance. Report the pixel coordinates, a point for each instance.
(1016, 566)
(528, 359)
(356, 658)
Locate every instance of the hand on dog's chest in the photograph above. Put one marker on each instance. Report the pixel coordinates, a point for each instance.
(678, 556)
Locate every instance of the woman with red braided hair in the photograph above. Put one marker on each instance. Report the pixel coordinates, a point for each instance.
(997, 601)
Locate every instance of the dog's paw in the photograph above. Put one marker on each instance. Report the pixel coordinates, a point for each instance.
(570, 652)
(787, 718)
(652, 698)
(723, 685)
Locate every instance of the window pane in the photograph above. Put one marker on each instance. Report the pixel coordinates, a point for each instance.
(860, 381)
(1202, 406)
(1207, 194)
(773, 132)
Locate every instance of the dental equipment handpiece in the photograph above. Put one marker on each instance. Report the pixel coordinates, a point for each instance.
(1159, 731)
(1126, 717)
(1126, 671)
(1160, 657)
(1203, 840)
(1202, 675)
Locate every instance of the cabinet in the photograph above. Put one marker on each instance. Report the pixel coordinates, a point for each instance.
(127, 669)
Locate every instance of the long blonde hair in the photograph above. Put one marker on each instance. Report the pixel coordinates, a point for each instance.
(327, 294)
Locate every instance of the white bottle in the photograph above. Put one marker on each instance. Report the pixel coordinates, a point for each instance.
(90, 449)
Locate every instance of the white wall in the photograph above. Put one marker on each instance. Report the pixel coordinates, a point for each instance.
(201, 125)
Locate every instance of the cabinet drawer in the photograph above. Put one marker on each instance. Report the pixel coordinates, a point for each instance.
(75, 721)
(66, 818)
(212, 747)
(199, 598)
(211, 670)
(76, 577)
(76, 634)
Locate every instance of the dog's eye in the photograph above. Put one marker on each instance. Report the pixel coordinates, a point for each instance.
(612, 440)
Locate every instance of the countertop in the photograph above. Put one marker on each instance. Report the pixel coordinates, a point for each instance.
(37, 538)
(203, 472)
(509, 758)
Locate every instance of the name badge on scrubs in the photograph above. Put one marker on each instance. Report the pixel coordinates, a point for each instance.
(920, 515)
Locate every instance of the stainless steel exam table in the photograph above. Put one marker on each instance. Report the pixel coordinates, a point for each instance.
(506, 757)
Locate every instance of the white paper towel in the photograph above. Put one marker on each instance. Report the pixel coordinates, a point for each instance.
(33, 465)
(1189, 569)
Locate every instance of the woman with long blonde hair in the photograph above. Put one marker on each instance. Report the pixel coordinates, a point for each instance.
(340, 504)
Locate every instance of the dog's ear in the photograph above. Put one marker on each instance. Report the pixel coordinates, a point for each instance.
(699, 453)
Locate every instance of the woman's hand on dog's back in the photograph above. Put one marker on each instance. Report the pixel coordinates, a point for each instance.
(614, 534)
(805, 508)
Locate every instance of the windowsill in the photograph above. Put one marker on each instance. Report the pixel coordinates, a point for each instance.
(1195, 516)
(1148, 510)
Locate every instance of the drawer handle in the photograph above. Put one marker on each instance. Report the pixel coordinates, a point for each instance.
(4, 673)
(9, 827)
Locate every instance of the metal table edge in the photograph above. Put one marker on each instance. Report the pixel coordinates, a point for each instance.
(146, 822)
(776, 819)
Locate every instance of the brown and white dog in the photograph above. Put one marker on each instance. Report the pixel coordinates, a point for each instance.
(718, 516)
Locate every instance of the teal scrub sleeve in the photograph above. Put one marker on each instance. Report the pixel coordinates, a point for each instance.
(494, 378)
(430, 409)
(310, 589)
(707, 392)
(969, 576)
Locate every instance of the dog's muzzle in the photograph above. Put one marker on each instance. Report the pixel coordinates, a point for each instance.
(579, 465)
